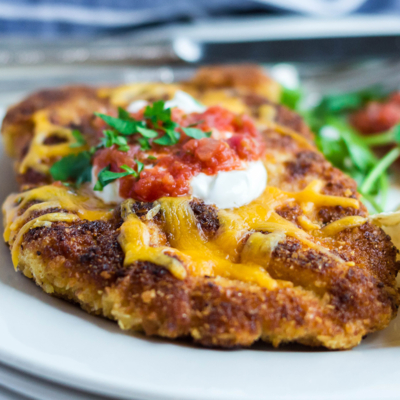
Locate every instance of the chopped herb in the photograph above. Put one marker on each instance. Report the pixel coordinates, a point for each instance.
(144, 144)
(151, 158)
(123, 114)
(123, 126)
(156, 112)
(111, 137)
(165, 141)
(196, 133)
(73, 167)
(105, 176)
(140, 166)
(291, 97)
(147, 133)
(80, 140)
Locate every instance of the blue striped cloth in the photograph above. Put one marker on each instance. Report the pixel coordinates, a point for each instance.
(86, 17)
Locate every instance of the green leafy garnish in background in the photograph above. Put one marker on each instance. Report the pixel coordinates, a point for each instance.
(291, 98)
(345, 148)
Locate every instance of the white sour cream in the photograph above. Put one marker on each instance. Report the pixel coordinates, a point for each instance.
(181, 100)
(110, 193)
(185, 102)
(226, 189)
(229, 189)
(137, 105)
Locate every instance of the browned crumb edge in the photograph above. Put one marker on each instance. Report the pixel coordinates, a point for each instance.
(329, 305)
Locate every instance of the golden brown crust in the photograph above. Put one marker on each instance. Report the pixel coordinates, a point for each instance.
(329, 302)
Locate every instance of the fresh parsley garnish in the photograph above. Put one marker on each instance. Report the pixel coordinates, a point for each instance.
(144, 144)
(80, 140)
(112, 138)
(291, 98)
(105, 176)
(158, 127)
(157, 112)
(77, 167)
(147, 133)
(123, 126)
(196, 133)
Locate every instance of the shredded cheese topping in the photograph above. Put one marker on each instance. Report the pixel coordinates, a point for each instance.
(39, 154)
(242, 247)
(189, 251)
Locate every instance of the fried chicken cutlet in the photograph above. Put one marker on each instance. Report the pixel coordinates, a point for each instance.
(298, 263)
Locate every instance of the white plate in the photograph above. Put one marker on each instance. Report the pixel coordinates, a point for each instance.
(15, 384)
(55, 340)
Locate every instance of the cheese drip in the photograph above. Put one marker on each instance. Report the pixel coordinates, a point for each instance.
(231, 253)
(50, 196)
(225, 255)
(42, 221)
(39, 154)
(242, 247)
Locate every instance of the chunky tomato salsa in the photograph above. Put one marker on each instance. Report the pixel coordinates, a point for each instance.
(185, 145)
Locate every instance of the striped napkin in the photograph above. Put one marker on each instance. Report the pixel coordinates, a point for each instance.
(79, 17)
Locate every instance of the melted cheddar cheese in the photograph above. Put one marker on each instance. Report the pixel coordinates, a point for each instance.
(242, 247)
(40, 154)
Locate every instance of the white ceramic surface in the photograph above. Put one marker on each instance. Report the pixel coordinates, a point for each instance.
(55, 340)
(19, 385)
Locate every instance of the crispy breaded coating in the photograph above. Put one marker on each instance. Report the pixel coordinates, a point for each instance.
(331, 294)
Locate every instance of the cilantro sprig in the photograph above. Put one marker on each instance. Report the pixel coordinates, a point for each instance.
(157, 127)
(80, 140)
(105, 176)
(77, 167)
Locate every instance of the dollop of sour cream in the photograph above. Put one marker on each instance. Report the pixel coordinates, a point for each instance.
(181, 100)
(229, 189)
(226, 189)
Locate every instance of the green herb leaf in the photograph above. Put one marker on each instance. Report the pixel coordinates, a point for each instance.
(164, 141)
(111, 137)
(151, 157)
(147, 133)
(123, 114)
(105, 176)
(144, 144)
(345, 102)
(379, 169)
(291, 97)
(396, 133)
(196, 133)
(80, 140)
(156, 112)
(123, 126)
(140, 166)
(75, 167)
(130, 171)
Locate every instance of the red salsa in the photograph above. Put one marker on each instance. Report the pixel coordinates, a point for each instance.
(169, 169)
